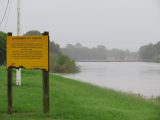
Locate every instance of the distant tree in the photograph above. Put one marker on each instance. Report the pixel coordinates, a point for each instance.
(79, 52)
(54, 48)
(70, 46)
(117, 54)
(32, 33)
(147, 52)
(157, 49)
(156, 56)
(2, 48)
(150, 52)
(71, 51)
(101, 52)
(78, 45)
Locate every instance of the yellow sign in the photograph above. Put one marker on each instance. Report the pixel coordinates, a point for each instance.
(29, 52)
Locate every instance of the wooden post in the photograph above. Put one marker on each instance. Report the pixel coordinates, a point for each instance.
(46, 83)
(45, 91)
(9, 75)
(9, 85)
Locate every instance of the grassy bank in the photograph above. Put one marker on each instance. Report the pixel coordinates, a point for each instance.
(72, 100)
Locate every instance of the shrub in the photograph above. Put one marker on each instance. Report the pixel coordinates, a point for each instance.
(60, 63)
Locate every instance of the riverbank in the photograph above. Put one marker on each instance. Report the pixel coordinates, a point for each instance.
(72, 100)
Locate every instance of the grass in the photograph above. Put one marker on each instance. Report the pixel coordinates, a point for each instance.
(72, 100)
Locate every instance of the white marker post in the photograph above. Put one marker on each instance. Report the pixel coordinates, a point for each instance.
(18, 72)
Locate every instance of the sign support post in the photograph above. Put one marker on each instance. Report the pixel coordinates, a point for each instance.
(9, 86)
(45, 91)
(46, 83)
(9, 75)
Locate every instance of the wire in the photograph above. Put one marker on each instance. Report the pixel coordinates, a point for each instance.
(4, 13)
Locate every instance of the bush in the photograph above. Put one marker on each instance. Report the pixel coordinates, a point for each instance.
(60, 63)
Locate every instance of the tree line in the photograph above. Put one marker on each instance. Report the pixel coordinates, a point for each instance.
(146, 53)
(100, 53)
(2, 48)
(59, 62)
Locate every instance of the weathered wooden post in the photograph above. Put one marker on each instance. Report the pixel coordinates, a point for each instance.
(9, 86)
(46, 83)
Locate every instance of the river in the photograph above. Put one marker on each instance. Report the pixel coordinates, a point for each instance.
(133, 77)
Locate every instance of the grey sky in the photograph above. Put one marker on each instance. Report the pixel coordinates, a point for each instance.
(124, 24)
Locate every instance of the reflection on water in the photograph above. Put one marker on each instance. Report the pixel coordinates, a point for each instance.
(136, 77)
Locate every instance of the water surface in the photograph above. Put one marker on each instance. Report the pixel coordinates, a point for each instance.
(136, 77)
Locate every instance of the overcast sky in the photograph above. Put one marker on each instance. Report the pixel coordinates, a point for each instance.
(124, 24)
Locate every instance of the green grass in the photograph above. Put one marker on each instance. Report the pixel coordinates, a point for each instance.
(72, 100)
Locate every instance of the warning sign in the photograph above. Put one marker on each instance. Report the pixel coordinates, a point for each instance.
(27, 51)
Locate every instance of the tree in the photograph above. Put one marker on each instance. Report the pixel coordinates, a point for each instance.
(54, 48)
(78, 45)
(2, 48)
(147, 52)
(32, 33)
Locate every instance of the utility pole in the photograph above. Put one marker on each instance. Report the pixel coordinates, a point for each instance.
(18, 71)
